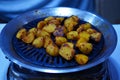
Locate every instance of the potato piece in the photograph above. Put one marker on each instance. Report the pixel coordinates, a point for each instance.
(28, 38)
(70, 22)
(41, 24)
(81, 59)
(49, 18)
(38, 42)
(47, 41)
(96, 36)
(59, 31)
(83, 27)
(65, 30)
(50, 28)
(73, 35)
(34, 30)
(80, 40)
(75, 18)
(52, 50)
(42, 33)
(67, 52)
(21, 33)
(69, 44)
(60, 19)
(54, 21)
(85, 35)
(90, 31)
(60, 40)
(87, 26)
(80, 29)
(85, 48)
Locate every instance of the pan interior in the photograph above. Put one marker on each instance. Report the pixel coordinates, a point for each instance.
(38, 56)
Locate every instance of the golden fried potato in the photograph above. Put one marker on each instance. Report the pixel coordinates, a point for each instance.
(69, 44)
(90, 31)
(85, 35)
(80, 40)
(47, 41)
(21, 33)
(85, 48)
(29, 37)
(75, 18)
(49, 18)
(60, 40)
(34, 30)
(54, 21)
(83, 27)
(38, 42)
(42, 33)
(73, 35)
(87, 26)
(70, 22)
(66, 52)
(96, 36)
(80, 29)
(60, 19)
(52, 50)
(81, 59)
(50, 28)
(41, 24)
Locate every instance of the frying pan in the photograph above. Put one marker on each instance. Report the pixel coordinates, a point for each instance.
(8, 32)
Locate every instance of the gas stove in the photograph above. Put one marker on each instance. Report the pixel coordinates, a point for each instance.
(108, 70)
(99, 72)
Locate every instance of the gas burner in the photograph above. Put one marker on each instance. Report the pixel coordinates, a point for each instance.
(99, 72)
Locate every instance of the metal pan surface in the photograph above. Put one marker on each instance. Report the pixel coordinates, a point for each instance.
(7, 34)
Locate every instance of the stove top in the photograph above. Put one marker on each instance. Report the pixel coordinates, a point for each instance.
(103, 71)
(99, 72)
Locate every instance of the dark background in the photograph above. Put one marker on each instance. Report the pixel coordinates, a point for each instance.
(109, 9)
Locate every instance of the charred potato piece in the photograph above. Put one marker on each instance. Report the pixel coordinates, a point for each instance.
(66, 52)
(21, 33)
(73, 35)
(42, 33)
(41, 24)
(96, 36)
(70, 22)
(85, 48)
(50, 28)
(34, 30)
(60, 40)
(80, 40)
(47, 41)
(38, 42)
(69, 44)
(59, 31)
(85, 35)
(28, 38)
(81, 59)
(52, 50)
